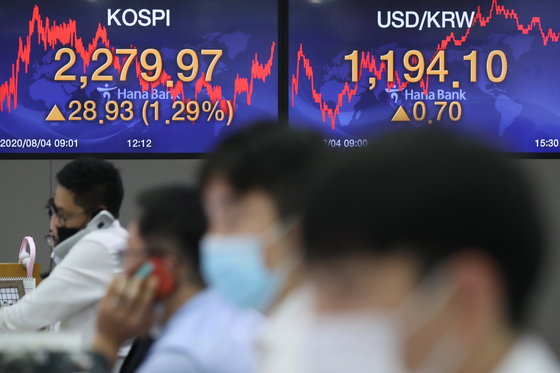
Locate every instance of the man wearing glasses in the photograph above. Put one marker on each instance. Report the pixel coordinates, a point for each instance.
(70, 294)
(52, 237)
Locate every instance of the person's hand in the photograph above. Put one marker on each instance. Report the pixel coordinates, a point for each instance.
(125, 312)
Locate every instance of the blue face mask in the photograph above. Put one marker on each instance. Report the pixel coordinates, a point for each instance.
(235, 266)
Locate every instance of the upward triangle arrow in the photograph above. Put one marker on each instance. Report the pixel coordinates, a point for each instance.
(55, 115)
(400, 116)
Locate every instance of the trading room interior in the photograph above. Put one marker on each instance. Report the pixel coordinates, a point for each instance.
(262, 186)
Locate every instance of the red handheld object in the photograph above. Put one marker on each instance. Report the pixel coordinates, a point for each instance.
(166, 282)
(155, 267)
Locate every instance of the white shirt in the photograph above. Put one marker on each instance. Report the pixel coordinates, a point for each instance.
(207, 334)
(530, 354)
(281, 342)
(73, 289)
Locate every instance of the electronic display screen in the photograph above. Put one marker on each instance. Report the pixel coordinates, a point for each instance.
(79, 76)
(487, 68)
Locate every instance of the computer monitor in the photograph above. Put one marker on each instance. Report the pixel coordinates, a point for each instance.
(134, 77)
(486, 68)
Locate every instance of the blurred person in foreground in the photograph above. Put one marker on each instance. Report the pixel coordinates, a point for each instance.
(200, 330)
(424, 249)
(254, 187)
(86, 187)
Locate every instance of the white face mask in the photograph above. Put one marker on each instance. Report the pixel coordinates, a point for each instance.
(357, 344)
(375, 342)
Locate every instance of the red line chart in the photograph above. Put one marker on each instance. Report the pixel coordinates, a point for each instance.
(50, 35)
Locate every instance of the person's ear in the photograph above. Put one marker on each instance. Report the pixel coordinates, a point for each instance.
(173, 266)
(471, 291)
(480, 299)
(98, 209)
(295, 238)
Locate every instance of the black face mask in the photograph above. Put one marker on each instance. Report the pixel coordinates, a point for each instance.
(65, 233)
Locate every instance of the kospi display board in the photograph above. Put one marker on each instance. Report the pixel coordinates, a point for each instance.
(489, 68)
(80, 76)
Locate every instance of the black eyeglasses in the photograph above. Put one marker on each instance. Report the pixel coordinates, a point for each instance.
(64, 219)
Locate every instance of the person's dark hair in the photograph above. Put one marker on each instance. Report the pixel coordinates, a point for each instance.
(437, 194)
(94, 182)
(174, 212)
(276, 159)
